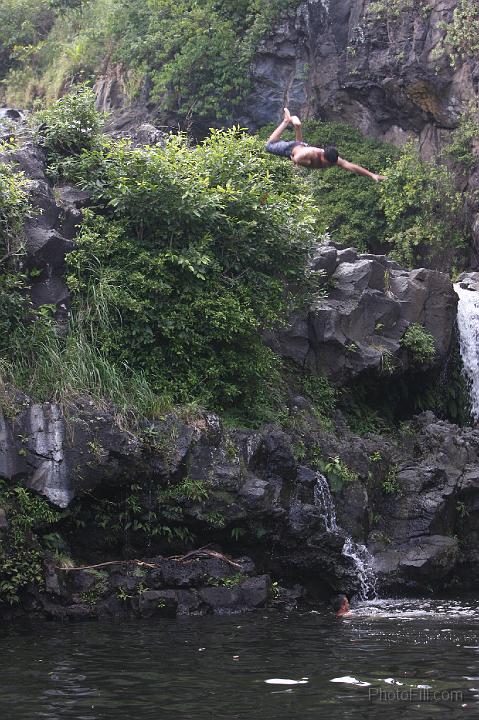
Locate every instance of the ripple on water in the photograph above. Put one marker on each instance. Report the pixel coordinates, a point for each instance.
(276, 667)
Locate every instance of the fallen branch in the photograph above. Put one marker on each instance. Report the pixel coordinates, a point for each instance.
(189, 557)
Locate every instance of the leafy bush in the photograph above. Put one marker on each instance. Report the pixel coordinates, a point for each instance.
(392, 9)
(425, 222)
(323, 395)
(419, 343)
(14, 208)
(200, 249)
(69, 125)
(189, 254)
(336, 470)
(460, 149)
(390, 484)
(462, 33)
(22, 23)
(197, 55)
(20, 551)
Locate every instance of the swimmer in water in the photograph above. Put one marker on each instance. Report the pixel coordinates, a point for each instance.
(340, 604)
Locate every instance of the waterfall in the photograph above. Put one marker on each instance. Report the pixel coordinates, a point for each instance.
(359, 554)
(468, 324)
(324, 501)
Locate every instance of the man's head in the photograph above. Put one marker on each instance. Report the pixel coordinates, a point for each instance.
(331, 154)
(340, 604)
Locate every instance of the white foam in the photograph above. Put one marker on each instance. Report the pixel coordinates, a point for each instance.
(284, 681)
(349, 680)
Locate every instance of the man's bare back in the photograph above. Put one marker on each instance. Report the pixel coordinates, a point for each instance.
(307, 155)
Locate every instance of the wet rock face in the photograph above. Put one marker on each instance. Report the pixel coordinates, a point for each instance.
(337, 61)
(423, 534)
(426, 535)
(371, 302)
(155, 588)
(50, 229)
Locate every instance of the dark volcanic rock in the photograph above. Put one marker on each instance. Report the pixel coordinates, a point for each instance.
(49, 231)
(360, 324)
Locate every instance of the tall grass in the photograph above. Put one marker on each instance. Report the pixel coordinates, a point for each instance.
(51, 368)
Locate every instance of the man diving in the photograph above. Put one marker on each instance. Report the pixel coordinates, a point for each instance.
(307, 155)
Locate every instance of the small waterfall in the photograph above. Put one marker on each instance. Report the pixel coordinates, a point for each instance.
(468, 324)
(324, 501)
(364, 563)
(359, 554)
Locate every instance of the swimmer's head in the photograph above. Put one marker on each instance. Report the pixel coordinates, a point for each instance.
(340, 604)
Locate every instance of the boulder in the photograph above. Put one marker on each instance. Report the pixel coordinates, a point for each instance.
(359, 325)
(420, 565)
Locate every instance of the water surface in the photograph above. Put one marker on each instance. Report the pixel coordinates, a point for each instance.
(395, 659)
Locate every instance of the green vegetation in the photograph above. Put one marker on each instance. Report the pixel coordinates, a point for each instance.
(20, 546)
(390, 485)
(461, 40)
(227, 582)
(98, 589)
(336, 470)
(419, 343)
(392, 9)
(423, 211)
(187, 254)
(14, 208)
(197, 55)
(69, 126)
(323, 396)
(460, 149)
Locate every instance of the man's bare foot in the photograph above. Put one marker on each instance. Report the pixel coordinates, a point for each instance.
(287, 116)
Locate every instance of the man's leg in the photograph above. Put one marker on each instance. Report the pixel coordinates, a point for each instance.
(297, 128)
(276, 135)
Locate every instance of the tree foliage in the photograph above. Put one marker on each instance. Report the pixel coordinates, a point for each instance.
(425, 222)
(197, 55)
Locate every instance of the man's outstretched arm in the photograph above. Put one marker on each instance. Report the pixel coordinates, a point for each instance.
(359, 170)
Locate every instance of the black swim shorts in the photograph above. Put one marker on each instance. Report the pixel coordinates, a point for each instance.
(283, 148)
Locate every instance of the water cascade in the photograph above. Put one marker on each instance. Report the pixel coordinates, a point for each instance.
(468, 324)
(359, 554)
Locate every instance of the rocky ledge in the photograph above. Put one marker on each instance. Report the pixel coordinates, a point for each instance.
(371, 301)
(412, 499)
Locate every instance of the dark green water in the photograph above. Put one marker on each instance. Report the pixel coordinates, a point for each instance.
(187, 668)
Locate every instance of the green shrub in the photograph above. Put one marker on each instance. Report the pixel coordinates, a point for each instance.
(196, 250)
(390, 484)
(20, 550)
(336, 470)
(14, 209)
(425, 221)
(461, 38)
(23, 23)
(189, 254)
(419, 343)
(323, 396)
(392, 9)
(460, 149)
(69, 125)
